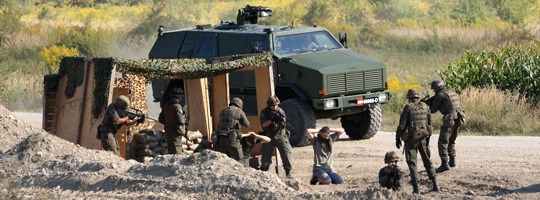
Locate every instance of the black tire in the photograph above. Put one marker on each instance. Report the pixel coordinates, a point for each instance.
(300, 117)
(363, 125)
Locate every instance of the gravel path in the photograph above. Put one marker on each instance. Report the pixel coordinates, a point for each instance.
(34, 164)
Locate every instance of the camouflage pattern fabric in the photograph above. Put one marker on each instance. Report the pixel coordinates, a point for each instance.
(447, 102)
(228, 141)
(174, 121)
(414, 145)
(276, 131)
(390, 178)
(107, 129)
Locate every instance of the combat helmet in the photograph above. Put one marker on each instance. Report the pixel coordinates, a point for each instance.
(436, 84)
(237, 101)
(122, 101)
(412, 93)
(176, 91)
(272, 100)
(391, 156)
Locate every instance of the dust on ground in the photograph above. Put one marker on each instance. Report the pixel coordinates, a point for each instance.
(38, 165)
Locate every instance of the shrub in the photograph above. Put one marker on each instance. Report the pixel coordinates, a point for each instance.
(516, 69)
(52, 56)
(399, 90)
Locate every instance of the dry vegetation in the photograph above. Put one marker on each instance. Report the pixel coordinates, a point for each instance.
(414, 38)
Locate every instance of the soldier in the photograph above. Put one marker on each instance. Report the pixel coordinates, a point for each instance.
(230, 119)
(323, 171)
(173, 118)
(448, 103)
(114, 118)
(273, 124)
(390, 175)
(415, 129)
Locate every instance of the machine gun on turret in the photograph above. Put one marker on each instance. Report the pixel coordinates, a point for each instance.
(251, 14)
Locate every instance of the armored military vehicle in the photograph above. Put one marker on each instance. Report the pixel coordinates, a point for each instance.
(316, 76)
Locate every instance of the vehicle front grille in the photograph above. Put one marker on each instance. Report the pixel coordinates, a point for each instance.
(356, 81)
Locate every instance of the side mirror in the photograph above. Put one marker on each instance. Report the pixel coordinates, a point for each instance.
(343, 39)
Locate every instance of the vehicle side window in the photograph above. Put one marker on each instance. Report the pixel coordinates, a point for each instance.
(258, 46)
(206, 48)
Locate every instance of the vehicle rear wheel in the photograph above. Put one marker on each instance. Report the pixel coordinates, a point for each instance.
(300, 117)
(363, 125)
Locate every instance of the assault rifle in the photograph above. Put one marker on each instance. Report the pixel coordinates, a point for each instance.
(278, 118)
(427, 100)
(138, 114)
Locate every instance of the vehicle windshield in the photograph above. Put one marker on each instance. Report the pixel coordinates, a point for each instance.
(305, 42)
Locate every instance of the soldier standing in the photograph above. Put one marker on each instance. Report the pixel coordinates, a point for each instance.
(114, 118)
(273, 124)
(174, 120)
(447, 102)
(390, 175)
(415, 129)
(230, 119)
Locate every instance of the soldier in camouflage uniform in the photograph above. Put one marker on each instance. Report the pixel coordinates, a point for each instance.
(415, 129)
(273, 124)
(174, 120)
(391, 174)
(113, 120)
(448, 103)
(230, 119)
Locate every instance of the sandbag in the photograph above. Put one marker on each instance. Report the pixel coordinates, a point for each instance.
(144, 138)
(145, 152)
(193, 146)
(152, 144)
(140, 146)
(157, 150)
(192, 135)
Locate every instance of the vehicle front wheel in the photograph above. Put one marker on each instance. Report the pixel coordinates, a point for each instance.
(299, 117)
(363, 125)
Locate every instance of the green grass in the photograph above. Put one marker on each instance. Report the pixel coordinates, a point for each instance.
(412, 48)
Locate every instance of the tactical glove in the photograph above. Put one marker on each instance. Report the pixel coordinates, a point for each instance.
(276, 118)
(398, 143)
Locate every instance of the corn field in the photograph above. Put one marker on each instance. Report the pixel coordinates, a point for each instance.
(514, 69)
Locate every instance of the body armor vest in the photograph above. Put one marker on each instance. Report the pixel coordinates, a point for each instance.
(227, 122)
(454, 103)
(418, 115)
(418, 128)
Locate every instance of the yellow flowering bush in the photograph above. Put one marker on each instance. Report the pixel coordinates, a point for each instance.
(52, 56)
(399, 90)
(397, 86)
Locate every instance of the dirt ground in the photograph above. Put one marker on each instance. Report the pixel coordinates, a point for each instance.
(37, 165)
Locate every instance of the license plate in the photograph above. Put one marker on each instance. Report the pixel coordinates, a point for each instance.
(362, 101)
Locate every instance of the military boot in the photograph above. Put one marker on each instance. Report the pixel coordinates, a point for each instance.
(288, 173)
(415, 188)
(452, 162)
(435, 185)
(444, 167)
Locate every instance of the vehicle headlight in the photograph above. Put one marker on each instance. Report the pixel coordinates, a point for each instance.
(383, 97)
(330, 103)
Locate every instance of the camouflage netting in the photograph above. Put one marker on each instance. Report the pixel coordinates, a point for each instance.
(148, 69)
(189, 68)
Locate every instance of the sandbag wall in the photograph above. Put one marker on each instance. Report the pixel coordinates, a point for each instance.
(149, 143)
